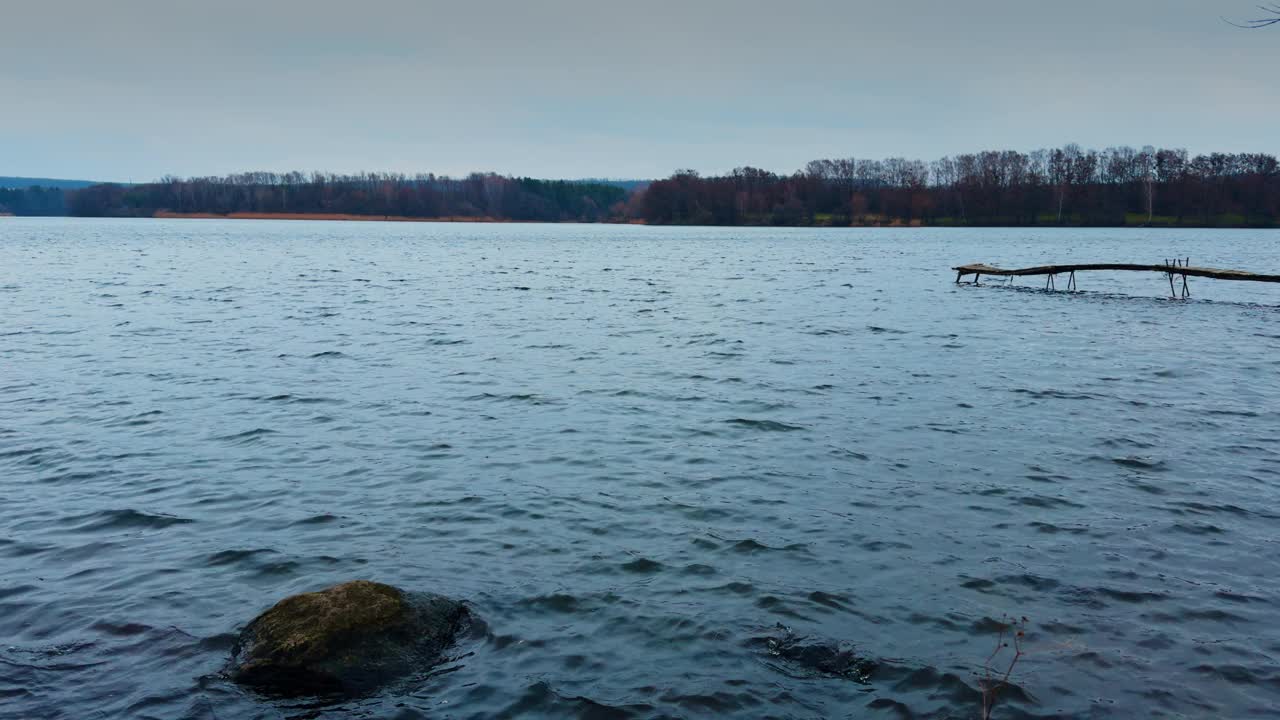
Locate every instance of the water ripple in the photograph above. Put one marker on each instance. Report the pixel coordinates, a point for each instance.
(680, 472)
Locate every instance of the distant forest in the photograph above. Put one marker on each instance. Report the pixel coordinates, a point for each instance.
(1064, 186)
(377, 194)
(8, 182)
(1067, 186)
(35, 200)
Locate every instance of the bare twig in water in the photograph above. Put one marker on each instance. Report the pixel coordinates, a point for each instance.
(990, 683)
(1273, 10)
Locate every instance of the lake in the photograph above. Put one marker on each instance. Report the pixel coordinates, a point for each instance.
(650, 459)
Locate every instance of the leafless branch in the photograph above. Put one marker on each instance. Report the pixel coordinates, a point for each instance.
(1260, 22)
(992, 683)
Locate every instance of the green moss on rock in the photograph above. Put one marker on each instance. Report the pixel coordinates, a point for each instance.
(350, 638)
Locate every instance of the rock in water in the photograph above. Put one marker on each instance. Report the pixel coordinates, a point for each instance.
(350, 639)
(824, 659)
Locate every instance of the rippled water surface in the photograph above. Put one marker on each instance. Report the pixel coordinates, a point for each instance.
(651, 459)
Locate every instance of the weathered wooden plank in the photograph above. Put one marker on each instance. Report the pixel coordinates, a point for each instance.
(1215, 273)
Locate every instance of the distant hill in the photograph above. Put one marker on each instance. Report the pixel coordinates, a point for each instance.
(26, 182)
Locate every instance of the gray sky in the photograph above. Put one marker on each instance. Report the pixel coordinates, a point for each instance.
(134, 89)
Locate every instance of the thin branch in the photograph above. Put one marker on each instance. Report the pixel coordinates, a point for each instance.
(1260, 22)
(990, 686)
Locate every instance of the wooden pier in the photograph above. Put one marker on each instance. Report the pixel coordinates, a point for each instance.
(1172, 269)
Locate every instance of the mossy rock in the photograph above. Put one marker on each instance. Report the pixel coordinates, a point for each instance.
(349, 639)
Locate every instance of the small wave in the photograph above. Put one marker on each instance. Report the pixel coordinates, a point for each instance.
(1051, 529)
(16, 591)
(765, 425)
(1232, 413)
(138, 420)
(1054, 394)
(740, 589)
(1130, 596)
(125, 629)
(556, 603)
(1044, 501)
(751, 546)
(235, 557)
(23, 452)
(248, 436)
(835, 602)
(1240, 674)
(1237, 597)
(529, 398)
(1140, 463)
(323, 519)
(1208, 509)
(540, 700)
(296, 399)
(1198, 529)
(54, 658)
(849, 454)
(1125, 442)
(128, 519)
(882, 545)
(643, 566)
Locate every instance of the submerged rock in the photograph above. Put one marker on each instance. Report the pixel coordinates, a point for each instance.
(824, 659)
(348, 639)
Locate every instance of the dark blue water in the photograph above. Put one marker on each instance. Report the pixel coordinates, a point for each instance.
(640, 454)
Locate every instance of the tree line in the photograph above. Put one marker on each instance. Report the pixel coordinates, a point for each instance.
(35, 200)
(1068, 186)
(378, 194)
(1063, 186)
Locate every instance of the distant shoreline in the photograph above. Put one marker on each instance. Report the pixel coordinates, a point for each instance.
(167, 215)
(170, 215)
(886, 224)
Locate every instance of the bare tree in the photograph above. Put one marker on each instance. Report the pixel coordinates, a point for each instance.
(1273, 10)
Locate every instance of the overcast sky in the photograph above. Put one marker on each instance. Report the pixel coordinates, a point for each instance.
(135, 89)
